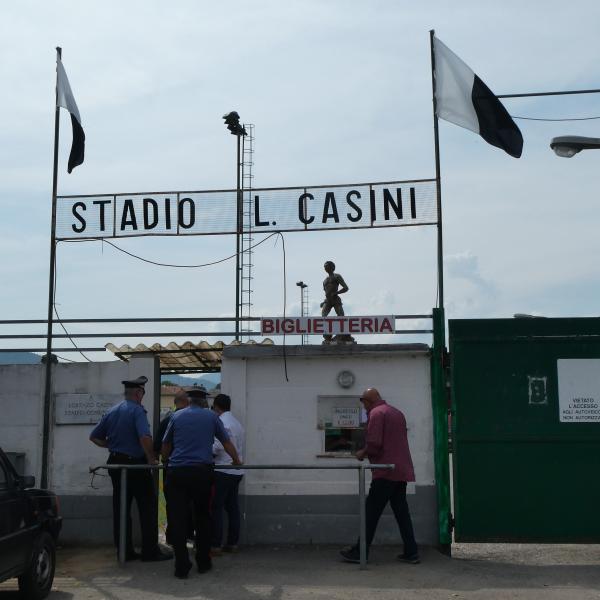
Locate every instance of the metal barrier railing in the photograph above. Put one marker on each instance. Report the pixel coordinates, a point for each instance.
(361, 468)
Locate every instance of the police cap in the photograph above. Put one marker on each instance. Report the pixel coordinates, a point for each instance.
(140, 382)
(196, 392)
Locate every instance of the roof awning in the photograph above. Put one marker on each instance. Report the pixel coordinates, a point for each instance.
(188, 357)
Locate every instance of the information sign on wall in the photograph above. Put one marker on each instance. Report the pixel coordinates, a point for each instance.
(75, 409)
(344, 416)
(579, 390)
(327, 325)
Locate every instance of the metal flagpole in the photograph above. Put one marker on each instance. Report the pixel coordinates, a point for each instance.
(438, 181)
(48, 383)
(438, 377)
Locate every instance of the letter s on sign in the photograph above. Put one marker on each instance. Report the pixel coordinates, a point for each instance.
(79, 228)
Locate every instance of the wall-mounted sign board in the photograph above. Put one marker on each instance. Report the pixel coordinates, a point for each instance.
(77, 409)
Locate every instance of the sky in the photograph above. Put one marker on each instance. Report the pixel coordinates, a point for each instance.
(339, 91)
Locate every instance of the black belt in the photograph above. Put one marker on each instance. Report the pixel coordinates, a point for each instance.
(126, 459)
(195, 466)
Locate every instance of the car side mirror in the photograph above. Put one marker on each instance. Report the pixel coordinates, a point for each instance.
(27, 481)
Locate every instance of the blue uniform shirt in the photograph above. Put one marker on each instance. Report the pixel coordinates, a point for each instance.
(122, 426)
(192, 432)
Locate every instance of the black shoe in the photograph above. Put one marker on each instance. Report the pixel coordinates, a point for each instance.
(182, 573)
(157, 556)
(413, 559)
(205, 567)
(351, 554)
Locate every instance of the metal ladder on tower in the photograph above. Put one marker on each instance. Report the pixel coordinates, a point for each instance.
(247, 265)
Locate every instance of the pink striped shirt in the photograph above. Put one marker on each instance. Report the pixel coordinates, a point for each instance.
(387, 443)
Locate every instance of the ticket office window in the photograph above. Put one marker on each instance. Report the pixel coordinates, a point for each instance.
(342, 419)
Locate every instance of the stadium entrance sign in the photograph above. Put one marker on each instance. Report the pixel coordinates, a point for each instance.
(318, 208)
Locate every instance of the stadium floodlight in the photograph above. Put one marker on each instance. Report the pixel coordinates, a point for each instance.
(232, 120)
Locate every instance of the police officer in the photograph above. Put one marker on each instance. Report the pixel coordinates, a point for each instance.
(125, 431)
(181, 401)
(187, 446)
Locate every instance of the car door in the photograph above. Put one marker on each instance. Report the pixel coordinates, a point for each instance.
(8, 557)
(18, 527)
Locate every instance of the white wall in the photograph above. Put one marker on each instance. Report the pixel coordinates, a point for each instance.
(71, 452)
(281, 417)
(21, 412)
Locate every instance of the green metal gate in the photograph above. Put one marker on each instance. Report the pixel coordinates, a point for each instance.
(526, 458)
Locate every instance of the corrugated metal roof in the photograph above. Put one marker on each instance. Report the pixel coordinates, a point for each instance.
(183, 358)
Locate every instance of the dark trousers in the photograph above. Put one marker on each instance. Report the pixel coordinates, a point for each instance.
(381, 492)
(190, 515)
(189, 485)
(140, 487)
(226, 497)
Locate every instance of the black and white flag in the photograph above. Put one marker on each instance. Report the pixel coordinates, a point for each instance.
(463, 99)
(64, 98)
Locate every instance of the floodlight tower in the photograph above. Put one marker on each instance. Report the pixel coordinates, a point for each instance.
(303, 304)
(232, 120)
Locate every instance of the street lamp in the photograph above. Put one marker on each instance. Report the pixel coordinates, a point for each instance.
(232, 120)
(568, 146)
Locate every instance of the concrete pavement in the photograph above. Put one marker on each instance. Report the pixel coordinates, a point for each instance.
(315, 572)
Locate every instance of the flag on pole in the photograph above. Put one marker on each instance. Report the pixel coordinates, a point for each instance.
(64, 98)
(463, 99)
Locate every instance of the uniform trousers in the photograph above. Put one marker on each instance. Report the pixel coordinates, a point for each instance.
(140, 487)
(226, 497)
(381, 492)
(190, 516)
(190, 485)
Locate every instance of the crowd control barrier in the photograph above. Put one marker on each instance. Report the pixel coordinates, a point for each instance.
(360, 468)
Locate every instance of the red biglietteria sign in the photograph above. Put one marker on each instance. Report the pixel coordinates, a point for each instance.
(326, 325)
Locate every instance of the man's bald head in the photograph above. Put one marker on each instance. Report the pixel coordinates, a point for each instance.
(370, 398)
(181, 399)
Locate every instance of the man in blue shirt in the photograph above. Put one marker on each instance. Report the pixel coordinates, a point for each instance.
(187, 446)
(181, 401)
(125, 431)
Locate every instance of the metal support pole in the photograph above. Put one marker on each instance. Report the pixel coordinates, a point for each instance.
(238, 236)
(438, 183)
(123, 518)
(48, 378)
(363, 517)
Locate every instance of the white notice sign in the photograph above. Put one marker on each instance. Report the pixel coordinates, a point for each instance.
(76, 409)
(579, 390)
(346, 416)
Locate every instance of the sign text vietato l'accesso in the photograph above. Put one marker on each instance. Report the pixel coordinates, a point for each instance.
(370, 205)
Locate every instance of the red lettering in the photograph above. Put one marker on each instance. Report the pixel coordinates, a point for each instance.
(299, 328)
(267, 326)
(354, 325)
(342, 324)
(318, 326)
(386, 326)
(366, 324)
(287, 326)
(330, 323)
